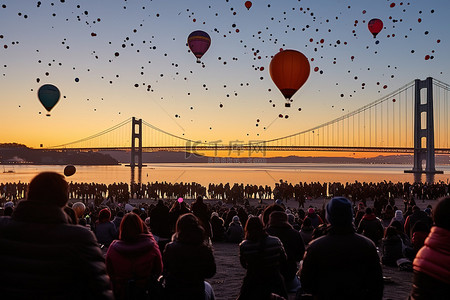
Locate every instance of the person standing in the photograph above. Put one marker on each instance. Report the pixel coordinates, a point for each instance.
(44, 256)
(341, 264)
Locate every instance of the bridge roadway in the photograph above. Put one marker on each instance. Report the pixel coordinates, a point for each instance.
(254, 149)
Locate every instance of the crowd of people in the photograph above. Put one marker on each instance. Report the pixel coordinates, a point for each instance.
(357, 191)
(56, 248)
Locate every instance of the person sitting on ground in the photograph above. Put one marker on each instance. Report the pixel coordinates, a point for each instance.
(217, 226)
(392, 247)
(370, 226)
(398, 217)
(42, 255)
(420, 232)
(188, 260)
(316, 220)
(341, 264)
(431, 279)
(105, 230)
(261, 255)
(118, 218)
(133, 259)
(417, 215)
(307, 231)
(293, 245)
(235, 232)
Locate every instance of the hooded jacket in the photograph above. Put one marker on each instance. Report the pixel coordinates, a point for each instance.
(370, 226)
(138, 261)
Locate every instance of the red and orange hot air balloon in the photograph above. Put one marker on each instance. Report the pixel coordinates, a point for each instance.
(375, 26)
(248, 4)
(198, 42)
(289, 70)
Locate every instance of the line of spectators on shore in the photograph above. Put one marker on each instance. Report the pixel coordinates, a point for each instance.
(340, 245)
(357, 191)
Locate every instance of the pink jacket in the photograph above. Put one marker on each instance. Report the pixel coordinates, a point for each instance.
(138, 260)
(433, 258)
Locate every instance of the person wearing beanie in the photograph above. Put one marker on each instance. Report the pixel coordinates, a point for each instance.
(398, 217)
(431, 267)
(371, 227)
(341, 264)
(316, 220)
(293, 245)
(235, 232)
(43, 255)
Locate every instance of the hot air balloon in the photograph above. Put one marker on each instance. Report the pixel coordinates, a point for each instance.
(199, 42)
(49, 95)
(248, 4)
(69, 170)
(289, 70)
(375, 26)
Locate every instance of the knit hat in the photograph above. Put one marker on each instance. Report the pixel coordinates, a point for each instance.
(339, 212)
(311, 210)
(278, 217)
(235, 219)
(398, 215)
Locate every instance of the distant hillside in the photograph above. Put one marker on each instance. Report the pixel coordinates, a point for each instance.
(13, 153)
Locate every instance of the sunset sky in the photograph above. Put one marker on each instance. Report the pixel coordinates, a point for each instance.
(60, 41)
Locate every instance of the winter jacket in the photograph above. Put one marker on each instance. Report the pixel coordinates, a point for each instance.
(370, 226)
(235, 232)
(136, 261)
(392, 250)
(105, 232)
(44, 257)
(262, 259)
(432, 266)
(186, 266)
(342, 265)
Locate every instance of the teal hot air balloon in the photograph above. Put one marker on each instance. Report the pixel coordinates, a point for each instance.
(49, 95)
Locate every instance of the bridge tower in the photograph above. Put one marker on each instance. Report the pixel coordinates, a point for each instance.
(136, 134)
(423, 108)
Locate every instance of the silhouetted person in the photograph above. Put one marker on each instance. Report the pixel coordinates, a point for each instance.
(261, 255)
(133, 259)
(188, 260)
(42, 255)
(342, 264)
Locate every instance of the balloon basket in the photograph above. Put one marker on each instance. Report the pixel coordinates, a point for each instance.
(198, 60)
(287, 105)
(48, 115)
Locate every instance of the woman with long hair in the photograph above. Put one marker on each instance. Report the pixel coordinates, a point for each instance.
(188, 260)
(262, 255)
(133, 259)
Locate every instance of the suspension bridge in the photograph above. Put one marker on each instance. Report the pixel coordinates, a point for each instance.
(412, 119)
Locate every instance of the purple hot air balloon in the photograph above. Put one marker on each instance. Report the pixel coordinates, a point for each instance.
(198, 42)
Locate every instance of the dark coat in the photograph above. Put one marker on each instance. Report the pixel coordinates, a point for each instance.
(293, 245)
(159, 221)
(138, 261)
(186, 266)
(262, 259)
(342, 265)
(392, 250)
(42, 256)
(371, 227)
